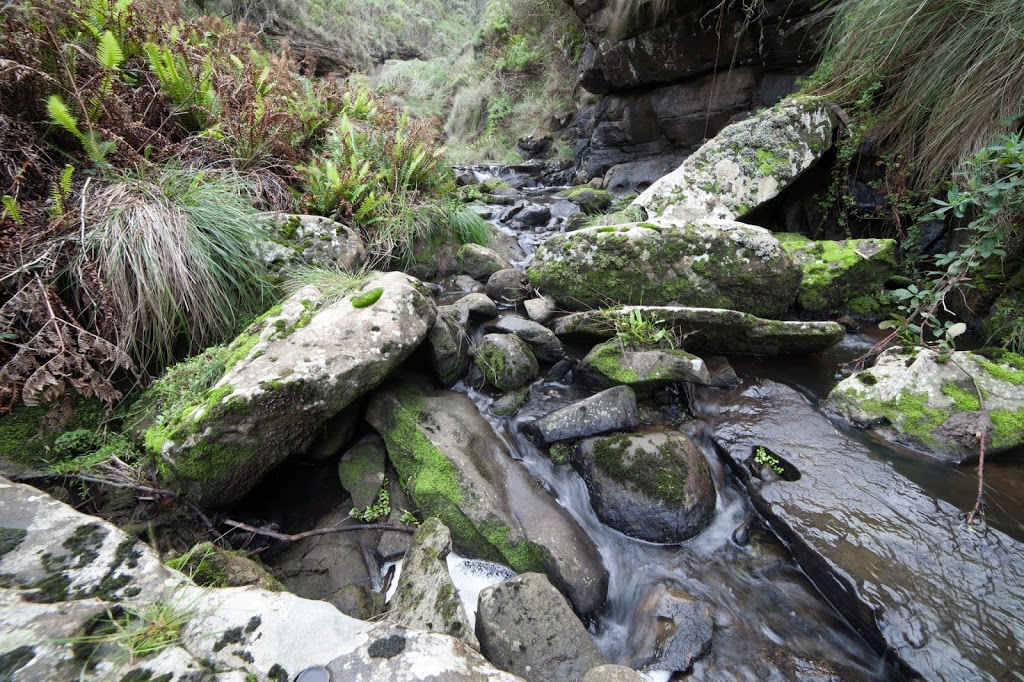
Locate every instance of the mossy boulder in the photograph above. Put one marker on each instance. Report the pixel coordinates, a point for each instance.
(643, 369)
(361, 471)
(746, 164)
(280, 382)
(911, 397)
(706, 264)
(313, 240)
(542, 341)
(480, 262)
(836, 272)
(652, 485)
(450, 344)
(505, 361)
(455, 468)
(33, 438)
(590, 200)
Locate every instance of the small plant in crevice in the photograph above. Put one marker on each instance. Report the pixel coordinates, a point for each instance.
(380, 508)
(133, 632)
(638, 330)
(764, 458)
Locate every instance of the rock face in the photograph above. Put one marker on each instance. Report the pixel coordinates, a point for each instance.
(65, 573)
(836, 273)
(892, 558)
(705, 264)
(611, 410)
(426, 598)
(708, 329)
(651, 485)
(313, 240)
(526, 627)
(934, 406)
(296, 368)
(681, 636)
(455, 468)
(505, 361)
(745, 165)
(607, 365)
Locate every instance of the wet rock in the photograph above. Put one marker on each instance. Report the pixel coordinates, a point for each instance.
(450, 344)
(510, 403)
(893, 559)
(426, 598)
(505, 361)
(608, 365)
(464, 177)
(394, 544)
(564, 209)
(707, 263)
(933, 406)
(745, 165)
(478, 306)
(835, 272)
(708, 329)
(590, 200)
(534, 147)
(533, 215)
(561, 369)
(291, 372)
(526, 627)
(540, 309)
(479, 262)
(467, 284)
(361, 471)
(313, 240)
(651, 485)
(613, 673)
(680, 636)
(541, 340)
(611, 410)
(721, 371)
(508, 286)
(456, 468)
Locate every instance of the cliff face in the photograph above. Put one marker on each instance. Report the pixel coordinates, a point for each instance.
(664, 82)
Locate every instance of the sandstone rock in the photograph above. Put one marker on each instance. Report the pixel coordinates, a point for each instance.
(608, 365)
(541, 340)
(479, 262)
(313, 240)
(611, 410)
(505, 361)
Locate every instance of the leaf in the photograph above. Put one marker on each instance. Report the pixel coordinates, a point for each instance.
(61, 116)
(956, 330)
(109, 52)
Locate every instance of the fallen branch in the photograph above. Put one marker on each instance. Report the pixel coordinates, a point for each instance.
(95, 479)
(316, 531)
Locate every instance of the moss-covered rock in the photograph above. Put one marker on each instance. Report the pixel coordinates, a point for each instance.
(591, 201)
(609, 364)
(935, 406)
(480, 262)
(708, 264)
(837, 272)
(313, 240)
(361, 471)
(505, 361)
(30, 436)
(450, 344)
(746, 164)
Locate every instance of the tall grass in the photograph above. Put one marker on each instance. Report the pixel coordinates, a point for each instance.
(949, 75)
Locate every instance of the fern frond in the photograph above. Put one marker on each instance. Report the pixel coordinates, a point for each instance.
(109, 52)
(60, 115)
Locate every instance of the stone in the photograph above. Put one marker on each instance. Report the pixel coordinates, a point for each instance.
(539, 309)
(505, 361)
(526, 627)
(611, 410)
(591, 201)
(721, 371)
(541, 340)
(916, 400)
(681, 635)
(480, 262)
(746, 164)
(508, 286)
(466, 284)
(910, 585)
(561, 369)
(613, 673)
(313, 240)
(706, 263)
(835, 272)
(426, 598)
(211, 566)
(510, 403)
(361, 471)
(533, 215)
(456, 468)
(643, 370)
(478, 306)
(336, 433)
(450, 344)
(708, 329)
(652, 485)
(292, 371)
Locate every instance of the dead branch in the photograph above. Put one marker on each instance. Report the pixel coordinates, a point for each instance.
(316, 531)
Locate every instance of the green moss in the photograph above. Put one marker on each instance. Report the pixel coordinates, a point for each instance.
(606, 229)
(607, 360)
(1007, 428)
(522, 557)
(766, 162)
(965, 400)
(658, 474)
(909, 415)
(10, 538)
(290, 228)
(1009, 367)
(29, 435)
(561, 453)
(490, 360)
(367, 298)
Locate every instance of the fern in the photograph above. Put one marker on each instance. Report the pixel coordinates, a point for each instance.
(60, 115)
(60, 191)
(109, 52)
(11, 209)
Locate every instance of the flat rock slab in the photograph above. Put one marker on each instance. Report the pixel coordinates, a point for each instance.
(708, 329)
(893, 559)
(611, 410)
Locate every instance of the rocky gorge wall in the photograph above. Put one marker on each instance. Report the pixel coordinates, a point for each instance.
(661, 85)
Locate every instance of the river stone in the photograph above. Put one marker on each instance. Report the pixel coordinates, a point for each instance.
(611, 410)
(706, 263)
(613, 673)
(912, 398)
(895, 560)
(540, 309)
(336, 433)
(480, 262)
(533, 215)
(680, 636)
(297, 369)
(505, 361)
(837, 272)
(313, 240)
(361, 471)
(449, 343)
(590, 200)
(608, 365)
(721, 371)
(508, 286)
(466, 284)
(708, 329)
(541, 340)
(745, 164)
(456, 468)
(652, 485)
(526, 627)
(426, 598)
(510, 403)
(479, 306)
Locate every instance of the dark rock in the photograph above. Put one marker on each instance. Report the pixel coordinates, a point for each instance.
(722, 373)
(336, 433)
(526, 627)
(508, 286)
(506, 361)
(510, 403)
(361, 471)
(560, 369)
(681, 635)
(541, 340)
(534, 147)
(478, 306)
(450, 344)
(534, 215)
(611, 410)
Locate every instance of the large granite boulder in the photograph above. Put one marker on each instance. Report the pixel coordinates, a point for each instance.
(283, 378)
(745, 165)
(702, 263)
(912, 397)
(456, 468)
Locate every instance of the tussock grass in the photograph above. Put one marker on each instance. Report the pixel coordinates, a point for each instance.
(949, 75)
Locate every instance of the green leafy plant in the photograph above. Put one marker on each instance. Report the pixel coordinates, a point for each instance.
(11, 209)
(637, 330)
(764, 458)
(193, 95)
(380, 509)
(95, 147)
(408, 518)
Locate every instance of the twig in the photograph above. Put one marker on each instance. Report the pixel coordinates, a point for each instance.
(316, 531)
(976, 517)
(94, 479)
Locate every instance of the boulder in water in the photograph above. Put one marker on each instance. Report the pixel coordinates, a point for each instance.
(450, 344)
(480, 262)
(681, 635)
(505, 361)
(591, 201)
(541, 340)
(508, 286)
(478, 306)
(609, 364)
(611, 410)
